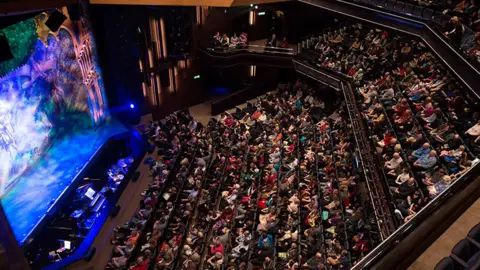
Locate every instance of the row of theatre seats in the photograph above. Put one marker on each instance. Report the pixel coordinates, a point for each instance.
(465, 254)
(157, 219)
(294, 219)
(246, 191)
(457, 22)
(412, 9)
(421, 120)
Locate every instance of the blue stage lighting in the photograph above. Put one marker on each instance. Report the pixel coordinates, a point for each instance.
(132, 106)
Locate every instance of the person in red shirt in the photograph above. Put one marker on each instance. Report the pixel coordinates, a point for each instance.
(217, 247)
(262, 203)
(141, 264)
(352, 71)
(271, 179)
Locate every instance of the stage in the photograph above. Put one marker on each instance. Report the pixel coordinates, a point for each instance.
(36, 193)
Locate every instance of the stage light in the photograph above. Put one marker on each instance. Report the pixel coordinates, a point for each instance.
(132, 106)
(196, 77)
(261, 13)
(251, 5)
(256, 7)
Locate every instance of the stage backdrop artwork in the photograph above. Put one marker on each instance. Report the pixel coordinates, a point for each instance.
(52, 86)
(52, 114)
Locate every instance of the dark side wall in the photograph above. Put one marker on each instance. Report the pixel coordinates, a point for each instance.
(298, 21)
(114, 27)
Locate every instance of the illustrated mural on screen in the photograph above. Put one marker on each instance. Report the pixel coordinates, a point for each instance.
(51, 88)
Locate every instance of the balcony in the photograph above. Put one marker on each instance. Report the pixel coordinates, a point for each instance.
(415, 27)
(248, 55)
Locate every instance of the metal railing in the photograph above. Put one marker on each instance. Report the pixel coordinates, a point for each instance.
(252, 49)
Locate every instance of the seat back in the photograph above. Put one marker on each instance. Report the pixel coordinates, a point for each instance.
(399, 6)
(427, 14)
(475, 233)
(463, 250)
(418, 11)
(390, 5)
(408, 8)
(445, 264)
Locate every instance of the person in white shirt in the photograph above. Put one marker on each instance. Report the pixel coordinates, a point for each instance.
(234, 40)
(308, 99)
(388, 95)
(393, 163)
(403, 177)
(475, 131)
(263, 117)
(157, 131)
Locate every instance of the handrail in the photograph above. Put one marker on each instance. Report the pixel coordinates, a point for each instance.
(252, 49)
(406, 228)
(374, 185)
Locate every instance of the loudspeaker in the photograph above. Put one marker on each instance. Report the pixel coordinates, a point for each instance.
(115, 211)
(135, 176)
(74, 12)
(55, 20)
(5, 52)
(89, 254)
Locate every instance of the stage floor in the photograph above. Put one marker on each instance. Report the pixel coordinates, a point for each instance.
(27, 203)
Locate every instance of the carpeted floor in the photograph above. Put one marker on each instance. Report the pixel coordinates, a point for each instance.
(444, 244)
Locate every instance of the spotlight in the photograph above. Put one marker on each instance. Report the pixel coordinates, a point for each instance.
(132, 106)
(5, 52)
(256, 7)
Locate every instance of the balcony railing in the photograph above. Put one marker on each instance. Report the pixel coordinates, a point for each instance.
(252, 49)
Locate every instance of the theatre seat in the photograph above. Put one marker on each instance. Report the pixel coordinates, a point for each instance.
(250, 108)
(445, 20)
(475, 233)
(445, 264)
(427, 14)
(437, 17)
(462, 252)
(238, 114)
(408, 8)
(398, 7)
(474, 236)
(390, 5)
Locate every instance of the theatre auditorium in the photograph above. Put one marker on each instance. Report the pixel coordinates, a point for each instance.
(239, 134)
